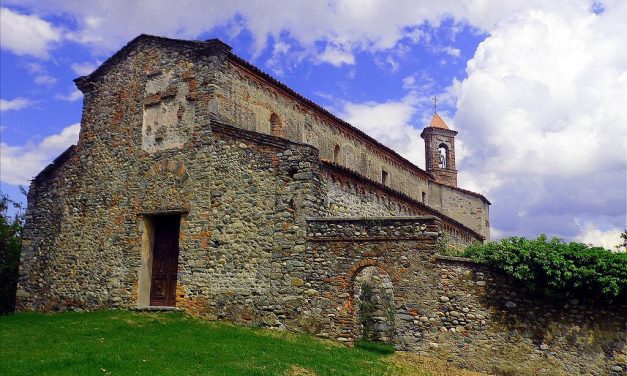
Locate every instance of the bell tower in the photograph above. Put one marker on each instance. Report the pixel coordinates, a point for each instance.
(440, 151)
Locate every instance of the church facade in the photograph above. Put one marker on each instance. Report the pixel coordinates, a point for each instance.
(202, 183)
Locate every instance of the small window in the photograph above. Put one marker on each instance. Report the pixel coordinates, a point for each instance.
(384, 177)
(336, 154)
(424, 198)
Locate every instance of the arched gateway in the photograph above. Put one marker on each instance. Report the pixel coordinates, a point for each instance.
(373, 296)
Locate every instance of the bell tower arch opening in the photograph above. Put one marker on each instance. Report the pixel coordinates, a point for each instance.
(443, 156)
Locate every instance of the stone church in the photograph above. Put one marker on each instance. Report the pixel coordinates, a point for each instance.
(201, 183)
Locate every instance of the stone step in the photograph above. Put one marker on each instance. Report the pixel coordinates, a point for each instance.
(157, 309)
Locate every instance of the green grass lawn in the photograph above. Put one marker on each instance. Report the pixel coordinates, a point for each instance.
(132, 343)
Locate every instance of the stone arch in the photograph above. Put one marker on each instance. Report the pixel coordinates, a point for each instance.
(372, 298)
(336, 154)
(170, 166)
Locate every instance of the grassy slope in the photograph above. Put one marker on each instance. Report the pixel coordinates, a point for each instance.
(129, 343)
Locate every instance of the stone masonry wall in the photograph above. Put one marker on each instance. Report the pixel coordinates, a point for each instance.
(340, 248)
(93, 201)
(260, 195)
(457, 310)
(347, 198)
(243, 197)
(487, 321)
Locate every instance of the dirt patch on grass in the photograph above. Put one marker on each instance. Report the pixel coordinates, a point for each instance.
(408, 364)
(296, 370)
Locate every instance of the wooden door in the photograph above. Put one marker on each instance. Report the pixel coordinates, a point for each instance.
(165, 257)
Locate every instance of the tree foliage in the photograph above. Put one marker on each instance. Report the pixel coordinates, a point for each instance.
(10, 248)
(554, 267)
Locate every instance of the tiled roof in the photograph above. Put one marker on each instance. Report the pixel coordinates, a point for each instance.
(437, 122)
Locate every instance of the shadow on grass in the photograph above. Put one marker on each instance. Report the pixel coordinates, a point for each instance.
(375, 347)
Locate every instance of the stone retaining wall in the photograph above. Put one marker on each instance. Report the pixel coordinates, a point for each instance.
(485, 320)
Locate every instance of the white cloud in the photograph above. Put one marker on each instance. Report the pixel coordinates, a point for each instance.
(35, 68)
(387, 63)
(72, 97)
(608, 239)
(83, 69)
(27, 34)
(542, 114)
(421, 82)
(45, 80)
(409, 82)
(40, 73)
(390, 123)
(337, 56)
(14, 104)
(19, 164)
(331, 31)
(452, 51)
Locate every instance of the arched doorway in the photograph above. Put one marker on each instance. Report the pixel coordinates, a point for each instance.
(373, 296)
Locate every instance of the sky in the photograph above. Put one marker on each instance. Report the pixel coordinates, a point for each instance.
(536, 89)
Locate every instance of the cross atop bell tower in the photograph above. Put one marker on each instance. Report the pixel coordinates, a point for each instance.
(440, 149)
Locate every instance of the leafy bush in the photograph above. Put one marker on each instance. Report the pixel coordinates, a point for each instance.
(554, 267)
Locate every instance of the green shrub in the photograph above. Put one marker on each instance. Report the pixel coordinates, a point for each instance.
(554, 267)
